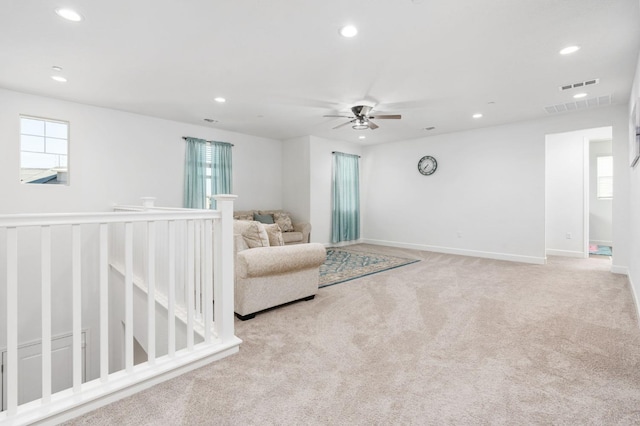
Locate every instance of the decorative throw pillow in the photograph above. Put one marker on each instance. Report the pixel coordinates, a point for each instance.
(283, 220)
(263, 218)
(243, 215)
(275, 234)
(253, 233)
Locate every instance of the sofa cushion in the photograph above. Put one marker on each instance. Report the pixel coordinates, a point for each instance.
(292, 237)
(279, 260)
(253, 233)
(275, 234)
(282, 218)
(263, 218)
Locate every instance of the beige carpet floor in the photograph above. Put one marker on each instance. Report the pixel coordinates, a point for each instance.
(448, 340)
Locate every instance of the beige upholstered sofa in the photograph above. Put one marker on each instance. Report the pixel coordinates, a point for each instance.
(266, 275)
(292, 232)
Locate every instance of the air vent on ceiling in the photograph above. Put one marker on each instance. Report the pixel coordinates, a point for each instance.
(579, 105)
(580, 84)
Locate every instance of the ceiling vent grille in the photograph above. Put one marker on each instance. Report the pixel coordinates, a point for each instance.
(579, 105)
(580, 84)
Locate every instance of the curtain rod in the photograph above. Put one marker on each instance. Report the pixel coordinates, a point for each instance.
(338, 152)
(187, 137)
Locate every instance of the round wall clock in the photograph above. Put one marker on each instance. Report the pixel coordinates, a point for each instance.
(427, 165)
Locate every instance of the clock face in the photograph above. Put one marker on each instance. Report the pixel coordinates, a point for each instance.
(427, 165)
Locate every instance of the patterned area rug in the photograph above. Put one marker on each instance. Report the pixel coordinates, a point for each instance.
(343, 265)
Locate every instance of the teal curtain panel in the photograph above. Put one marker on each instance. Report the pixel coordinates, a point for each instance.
(346, 198)
(221, 169)
(195, 174)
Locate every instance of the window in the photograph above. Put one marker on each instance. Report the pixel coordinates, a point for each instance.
(218, 175)
(43, 151)
(604, 175)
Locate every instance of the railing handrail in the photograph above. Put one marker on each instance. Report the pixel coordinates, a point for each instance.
(203, 273)
(56, 219)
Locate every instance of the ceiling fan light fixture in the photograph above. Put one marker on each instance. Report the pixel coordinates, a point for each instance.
(360, 126)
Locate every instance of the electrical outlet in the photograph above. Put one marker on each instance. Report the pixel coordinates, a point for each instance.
(459, 234)
(568, 235)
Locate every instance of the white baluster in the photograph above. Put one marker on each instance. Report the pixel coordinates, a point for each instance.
(190, 282)
(151, 292)
(208, 280)
(45, 254)
(128, 296)
(12, 321)
(171, 315)
(104, 301)
(76, 261)
(197, 269)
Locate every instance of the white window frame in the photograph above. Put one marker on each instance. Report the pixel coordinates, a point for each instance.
(61, 171)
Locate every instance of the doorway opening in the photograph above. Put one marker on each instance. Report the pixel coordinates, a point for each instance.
(579, 193)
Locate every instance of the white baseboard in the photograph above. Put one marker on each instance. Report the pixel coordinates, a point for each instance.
(634, 295)
(617, 269)
(344, 243)
(461, 252)
(566, 253)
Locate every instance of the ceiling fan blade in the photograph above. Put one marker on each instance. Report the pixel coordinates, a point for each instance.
(343, 124)
(365, 109)
(372, 125)
(387, 116)
(338, 116)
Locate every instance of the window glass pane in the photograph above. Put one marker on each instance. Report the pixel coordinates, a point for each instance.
(56, 146)
(32, 143)
(30, 126)
(62, 161)
(56, 130)
(605, 166)
(32, 160)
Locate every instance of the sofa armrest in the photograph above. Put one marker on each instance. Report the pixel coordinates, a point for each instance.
(262, 261)
(305, 228)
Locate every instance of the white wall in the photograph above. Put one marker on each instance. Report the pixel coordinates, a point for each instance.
(320, 184)
(600, 210)
(489, 188)
(565, 166)
(634, 200)
(118, 157)
(115, 157)
(296, 178)
(567, 191)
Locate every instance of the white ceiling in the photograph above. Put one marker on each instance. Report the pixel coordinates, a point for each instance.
(282, 65)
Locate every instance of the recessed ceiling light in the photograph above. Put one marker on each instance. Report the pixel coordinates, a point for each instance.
(69, 15)
(220, 100)
(56, 68)
(59, 78)
(348, 31)
(580, 95)
(478, 115)
(362, 137)
(569, 49)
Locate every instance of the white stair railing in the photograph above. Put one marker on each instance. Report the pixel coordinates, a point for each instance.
(106, 259)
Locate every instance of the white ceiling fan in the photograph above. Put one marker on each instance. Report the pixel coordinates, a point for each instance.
(361, 119)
